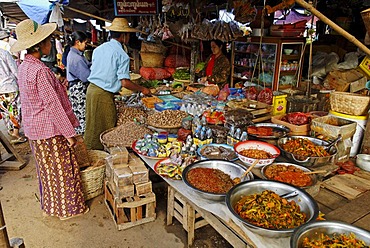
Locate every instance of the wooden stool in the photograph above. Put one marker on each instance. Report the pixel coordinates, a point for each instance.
(178, 207)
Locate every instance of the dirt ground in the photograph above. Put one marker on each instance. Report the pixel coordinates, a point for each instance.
(23, 217)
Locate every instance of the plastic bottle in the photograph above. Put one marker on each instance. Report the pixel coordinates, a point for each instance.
(237, 134)
(230, 135)
(244, 136)
(209, 136)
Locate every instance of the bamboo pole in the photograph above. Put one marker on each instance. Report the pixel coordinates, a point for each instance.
(87, 14)
(4, 239)
(334, 26)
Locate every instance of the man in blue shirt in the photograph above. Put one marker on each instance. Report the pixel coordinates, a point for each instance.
(109, 72)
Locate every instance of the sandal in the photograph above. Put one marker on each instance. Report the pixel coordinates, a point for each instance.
(18, 140)
(70, 217)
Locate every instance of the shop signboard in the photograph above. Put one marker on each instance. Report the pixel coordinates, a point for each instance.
(135, 7)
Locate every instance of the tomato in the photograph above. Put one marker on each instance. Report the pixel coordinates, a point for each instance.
(341, 172)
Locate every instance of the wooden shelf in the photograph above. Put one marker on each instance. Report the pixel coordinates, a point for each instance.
(291, 72)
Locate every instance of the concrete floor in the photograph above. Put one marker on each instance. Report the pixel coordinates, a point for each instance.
(23, 217)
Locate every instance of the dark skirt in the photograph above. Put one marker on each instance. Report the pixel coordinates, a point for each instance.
(100, 115)
(59, 177)
(77, 97)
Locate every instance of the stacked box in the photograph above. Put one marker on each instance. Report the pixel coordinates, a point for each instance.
(143, 188)
(119, 155)
(122, 183)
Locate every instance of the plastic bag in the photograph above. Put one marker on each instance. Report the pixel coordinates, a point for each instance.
(350, 61)
(224, 93)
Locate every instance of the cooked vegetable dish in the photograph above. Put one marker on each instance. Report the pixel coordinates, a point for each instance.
(269, 210)
(304, 147)
(334, 241)
(288, 174)
(255, 153)
(210, 180)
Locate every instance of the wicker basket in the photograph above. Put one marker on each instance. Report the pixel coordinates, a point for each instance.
(93, 176)
(366, 18)
(149, 47)
(152, 59)
(349, 103)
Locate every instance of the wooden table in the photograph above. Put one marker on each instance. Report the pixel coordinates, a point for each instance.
(193, 213)
(186, 205)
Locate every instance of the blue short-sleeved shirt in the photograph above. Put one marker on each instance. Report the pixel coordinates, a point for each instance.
(110, 64)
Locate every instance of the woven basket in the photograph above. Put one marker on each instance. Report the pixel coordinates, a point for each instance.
(149, 47)
(152, 59)
(349, 103)
(93, 176)
(366, 18)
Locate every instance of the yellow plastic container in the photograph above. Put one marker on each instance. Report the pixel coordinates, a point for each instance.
(279, 103)
(365, 65)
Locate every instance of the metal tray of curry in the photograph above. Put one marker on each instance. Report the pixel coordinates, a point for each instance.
(268, 132)
(289, 173)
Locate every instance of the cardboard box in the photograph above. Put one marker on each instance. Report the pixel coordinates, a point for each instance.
(342, 80)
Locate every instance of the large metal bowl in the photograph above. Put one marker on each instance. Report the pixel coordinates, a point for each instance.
(308, 161)
(312, 176)
(279, 132)
(232, 169)
(314, 229)
(306, 203)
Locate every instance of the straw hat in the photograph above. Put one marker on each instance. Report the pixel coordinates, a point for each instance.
(30, 33)
(3, 35)
(120, 24)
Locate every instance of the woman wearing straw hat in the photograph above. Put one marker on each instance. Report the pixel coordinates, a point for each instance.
(109, 72)
(49, 123)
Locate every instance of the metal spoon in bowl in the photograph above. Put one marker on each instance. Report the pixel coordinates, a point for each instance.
(334, 142)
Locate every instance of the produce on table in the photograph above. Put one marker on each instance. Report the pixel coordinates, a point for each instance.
(210, 180)
(304, 147)
(269, 210)
(297, 118)
(288, 174)
(334, 241)
(182, 74)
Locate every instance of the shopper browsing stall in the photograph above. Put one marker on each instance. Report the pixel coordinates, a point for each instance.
(109, 73)
(49, 123)
(78, 70)
(217, 67)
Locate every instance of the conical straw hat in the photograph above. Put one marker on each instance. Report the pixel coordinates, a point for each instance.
(120, 24)
(30, 33)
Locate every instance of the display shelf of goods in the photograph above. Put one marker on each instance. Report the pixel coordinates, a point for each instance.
(279, 58)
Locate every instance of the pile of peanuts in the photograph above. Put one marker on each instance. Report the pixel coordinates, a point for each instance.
(125, 114)
(124, 135)
(166, 118)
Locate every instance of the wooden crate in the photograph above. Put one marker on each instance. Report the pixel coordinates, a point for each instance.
(131, 211)
(143, 188)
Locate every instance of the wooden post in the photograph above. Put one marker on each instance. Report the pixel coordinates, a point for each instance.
(4, 239)
(334, 26)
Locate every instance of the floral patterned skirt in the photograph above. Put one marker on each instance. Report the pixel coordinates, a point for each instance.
(59, 177)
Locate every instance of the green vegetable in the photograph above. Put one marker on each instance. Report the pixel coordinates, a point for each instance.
(200, 66)
(150, 83)
(182, 74)
(176, 84)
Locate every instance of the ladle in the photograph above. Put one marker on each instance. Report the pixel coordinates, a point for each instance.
(334, 142)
